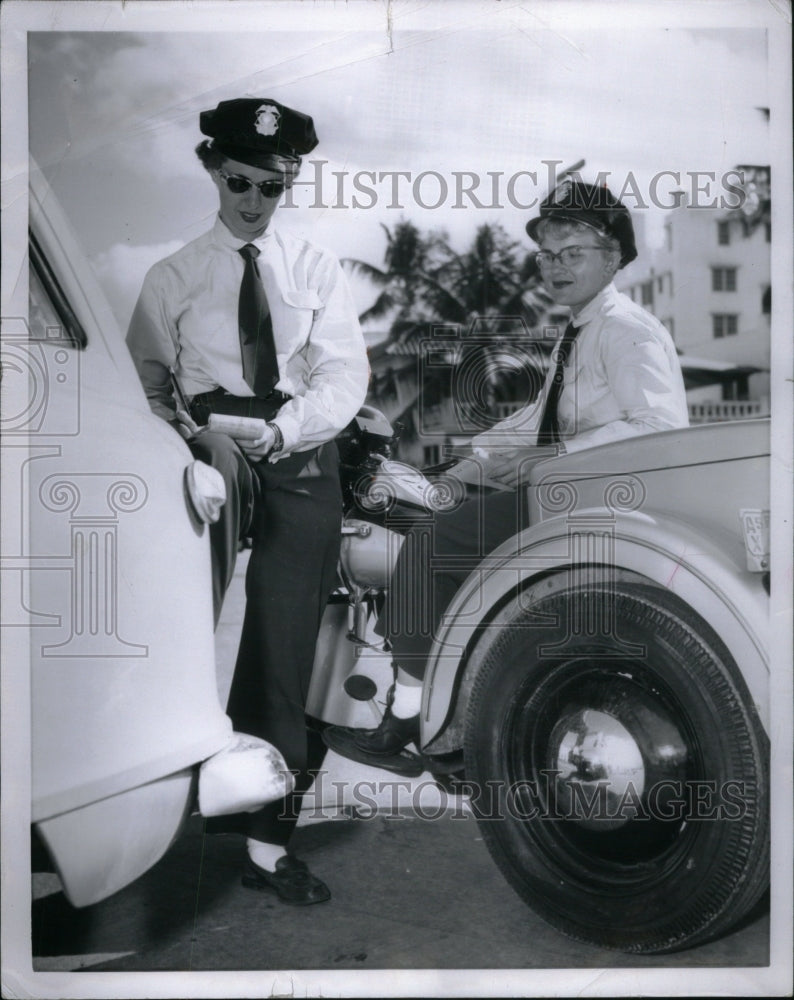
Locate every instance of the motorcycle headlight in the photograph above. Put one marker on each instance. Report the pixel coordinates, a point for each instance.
(369, 552)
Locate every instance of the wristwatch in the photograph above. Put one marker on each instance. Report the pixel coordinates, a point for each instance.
(278, 444)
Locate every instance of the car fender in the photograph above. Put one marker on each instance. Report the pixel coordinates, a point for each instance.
(703, 567)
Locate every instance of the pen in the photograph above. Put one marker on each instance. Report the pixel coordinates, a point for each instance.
(180, 396)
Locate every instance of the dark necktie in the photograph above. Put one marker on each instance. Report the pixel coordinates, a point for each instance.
(260, 368)
(549, 432)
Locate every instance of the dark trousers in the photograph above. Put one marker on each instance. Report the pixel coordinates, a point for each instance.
(439, 552)
(292, 509)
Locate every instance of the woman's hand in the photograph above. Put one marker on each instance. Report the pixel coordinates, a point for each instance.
(259, 448)
(507, 467)
(187, 426)
(504, 469)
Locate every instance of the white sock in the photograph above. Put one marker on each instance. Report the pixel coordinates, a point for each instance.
(407, 700)
(264, 855)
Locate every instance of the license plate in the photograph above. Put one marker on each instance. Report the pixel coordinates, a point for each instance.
(755, 525)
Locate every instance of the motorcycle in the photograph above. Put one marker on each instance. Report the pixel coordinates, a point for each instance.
(382, 499)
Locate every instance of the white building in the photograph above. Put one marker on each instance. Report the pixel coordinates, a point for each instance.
(710, 286)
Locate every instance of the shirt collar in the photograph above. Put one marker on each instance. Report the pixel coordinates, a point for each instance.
(223, 235)
(595, 305)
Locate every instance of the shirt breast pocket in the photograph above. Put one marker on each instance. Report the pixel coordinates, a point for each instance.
(299, 307)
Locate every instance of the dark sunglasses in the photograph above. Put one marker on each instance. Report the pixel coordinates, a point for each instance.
(238, 184)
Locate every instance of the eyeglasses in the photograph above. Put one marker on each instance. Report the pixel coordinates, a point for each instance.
(238, 184)
(567, 256)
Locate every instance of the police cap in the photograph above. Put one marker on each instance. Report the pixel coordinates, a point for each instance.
(253, 130)
(594, 206)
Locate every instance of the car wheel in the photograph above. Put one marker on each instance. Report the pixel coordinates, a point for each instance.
(617, 768)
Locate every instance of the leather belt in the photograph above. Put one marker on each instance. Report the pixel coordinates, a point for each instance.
(221, 401)
(208, 398)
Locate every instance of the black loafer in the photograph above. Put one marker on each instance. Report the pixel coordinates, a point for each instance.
(345, 742)
(389, 738)
(382, 747)
(292, 881)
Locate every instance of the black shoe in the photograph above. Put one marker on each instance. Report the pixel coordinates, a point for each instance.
(382, 747)
(292, 881)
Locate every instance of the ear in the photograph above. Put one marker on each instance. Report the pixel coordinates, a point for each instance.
(612, 263)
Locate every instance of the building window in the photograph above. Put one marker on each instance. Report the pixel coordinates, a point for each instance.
(766, 301)
(723, 233)
(668, 236)
(724, 324)
(660, 284)
(723, 279)
(647, 293)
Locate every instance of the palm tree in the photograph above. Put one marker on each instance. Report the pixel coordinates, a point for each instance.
(423, 281)
(490, 294)
(403, 277)
(494, 278)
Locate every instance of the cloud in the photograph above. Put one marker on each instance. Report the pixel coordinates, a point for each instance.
(503, 94)
(121, 270)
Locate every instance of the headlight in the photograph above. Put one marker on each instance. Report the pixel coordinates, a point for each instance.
(369, 552)
(206, 489)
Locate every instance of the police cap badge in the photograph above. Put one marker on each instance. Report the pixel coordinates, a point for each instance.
(254, 129)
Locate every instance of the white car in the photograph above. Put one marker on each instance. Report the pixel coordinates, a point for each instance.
(108, 571)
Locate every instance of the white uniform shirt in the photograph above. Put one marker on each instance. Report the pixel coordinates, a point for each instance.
(186, 318)
(623, 378)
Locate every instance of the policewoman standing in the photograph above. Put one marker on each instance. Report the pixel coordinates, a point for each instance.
(251, 321)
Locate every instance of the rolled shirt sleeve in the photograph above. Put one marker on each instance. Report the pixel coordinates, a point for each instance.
(646, 389)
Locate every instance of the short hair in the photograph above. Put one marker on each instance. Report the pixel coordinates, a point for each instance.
(211, 158)
(571, 227)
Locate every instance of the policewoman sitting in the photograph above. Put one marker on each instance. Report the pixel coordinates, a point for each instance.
(250, 321)
(614, 374)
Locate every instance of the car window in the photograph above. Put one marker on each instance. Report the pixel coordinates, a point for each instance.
(50, 317)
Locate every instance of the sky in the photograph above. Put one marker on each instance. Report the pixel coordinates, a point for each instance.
(113, 116)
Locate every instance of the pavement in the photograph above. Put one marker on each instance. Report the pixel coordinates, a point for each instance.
(413, 888)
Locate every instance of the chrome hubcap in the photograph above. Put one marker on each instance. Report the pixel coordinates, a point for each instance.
(595, 752)
(613, 743)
